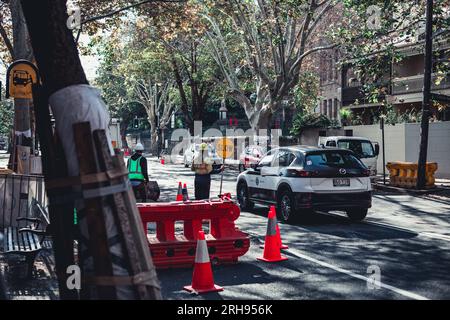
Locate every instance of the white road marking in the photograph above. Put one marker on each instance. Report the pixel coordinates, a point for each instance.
(435, 236)
(399, 291)
(424, 234)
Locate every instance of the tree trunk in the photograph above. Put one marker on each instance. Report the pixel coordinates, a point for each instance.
(264, 118)
(123, 128)
(54, 46)
(184, 102)
(154, 136)
(60, 67)
(21, 41)
(46, 25)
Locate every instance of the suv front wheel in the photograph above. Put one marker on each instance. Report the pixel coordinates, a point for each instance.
(357, 214)
(244, 197)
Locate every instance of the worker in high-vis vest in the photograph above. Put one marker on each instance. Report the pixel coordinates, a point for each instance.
(138, 174)
(202, 165)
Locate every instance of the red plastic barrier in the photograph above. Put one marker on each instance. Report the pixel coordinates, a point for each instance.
(226, 243)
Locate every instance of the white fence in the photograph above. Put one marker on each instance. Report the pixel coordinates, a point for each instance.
(402, 143)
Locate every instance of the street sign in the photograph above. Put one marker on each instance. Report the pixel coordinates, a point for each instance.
(225, 148)
(20, 78)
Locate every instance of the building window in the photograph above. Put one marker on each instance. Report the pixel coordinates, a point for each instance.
(330, 68)
(330, 108)
(336, 69)
(324, 111)
(336, 108)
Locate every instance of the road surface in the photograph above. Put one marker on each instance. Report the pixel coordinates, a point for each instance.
(405, 238)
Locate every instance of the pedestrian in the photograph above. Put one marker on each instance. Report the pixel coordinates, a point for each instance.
(202, 165)
(138, 174)
(203, 168)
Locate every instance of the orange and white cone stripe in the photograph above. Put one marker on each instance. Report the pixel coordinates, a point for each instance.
(180, 192)
(202, 278)
(282, 246)
(272, 241)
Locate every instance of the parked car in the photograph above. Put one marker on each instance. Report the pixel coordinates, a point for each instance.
(366, 150)
(190, 152)
(301, 179)
(250, 156)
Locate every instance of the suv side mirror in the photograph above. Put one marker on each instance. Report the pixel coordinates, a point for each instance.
(377, 148)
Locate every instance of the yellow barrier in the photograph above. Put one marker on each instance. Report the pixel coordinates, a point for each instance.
(404, 174)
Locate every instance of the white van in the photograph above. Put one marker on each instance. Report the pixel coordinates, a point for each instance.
(366, 150)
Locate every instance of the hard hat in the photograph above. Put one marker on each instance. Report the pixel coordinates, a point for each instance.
(139, 147)
(203, 146)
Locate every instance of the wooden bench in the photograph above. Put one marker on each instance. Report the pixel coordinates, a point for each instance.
(27, 241)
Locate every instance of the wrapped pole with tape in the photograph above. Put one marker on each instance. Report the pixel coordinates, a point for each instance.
(115, 260)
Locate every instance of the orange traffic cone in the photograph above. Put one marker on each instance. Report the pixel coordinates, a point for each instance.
(202, 278)
(185, 193)
(179, 193)
(280, 242)
(282, 246)
(272, 242)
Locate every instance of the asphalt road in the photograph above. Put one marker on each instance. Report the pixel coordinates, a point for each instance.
(406, 238)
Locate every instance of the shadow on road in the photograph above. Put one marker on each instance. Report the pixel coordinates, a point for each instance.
(224, 275)
(340, 226)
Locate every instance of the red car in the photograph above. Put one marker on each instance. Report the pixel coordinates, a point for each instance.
(250, 155)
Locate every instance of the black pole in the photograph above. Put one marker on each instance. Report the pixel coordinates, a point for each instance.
(426, 97)
(384, 153)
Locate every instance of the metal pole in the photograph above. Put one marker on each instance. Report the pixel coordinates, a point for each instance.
(426, 97)
(384, 153)
(221, 178)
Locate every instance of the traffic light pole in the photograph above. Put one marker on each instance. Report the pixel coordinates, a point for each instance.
(421, 179)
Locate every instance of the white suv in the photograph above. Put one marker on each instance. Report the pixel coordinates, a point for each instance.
(302, 179)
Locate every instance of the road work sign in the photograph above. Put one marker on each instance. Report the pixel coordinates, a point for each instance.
(20, 77)
(225, 148)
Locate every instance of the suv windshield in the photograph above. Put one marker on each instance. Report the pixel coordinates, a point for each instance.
(333, 159)
(362, 148)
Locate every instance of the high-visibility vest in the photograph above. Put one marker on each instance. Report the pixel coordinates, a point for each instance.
(135, 170)
(201, 165)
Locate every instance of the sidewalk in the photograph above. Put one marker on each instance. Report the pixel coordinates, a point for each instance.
(441, 191)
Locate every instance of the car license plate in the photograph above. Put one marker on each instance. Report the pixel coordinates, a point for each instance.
(342, 182)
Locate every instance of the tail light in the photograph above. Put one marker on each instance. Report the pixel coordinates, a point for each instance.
(366, 172)
(301, 173)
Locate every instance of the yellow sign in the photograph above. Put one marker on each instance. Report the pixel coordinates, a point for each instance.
(20, 78)
(225, 148)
